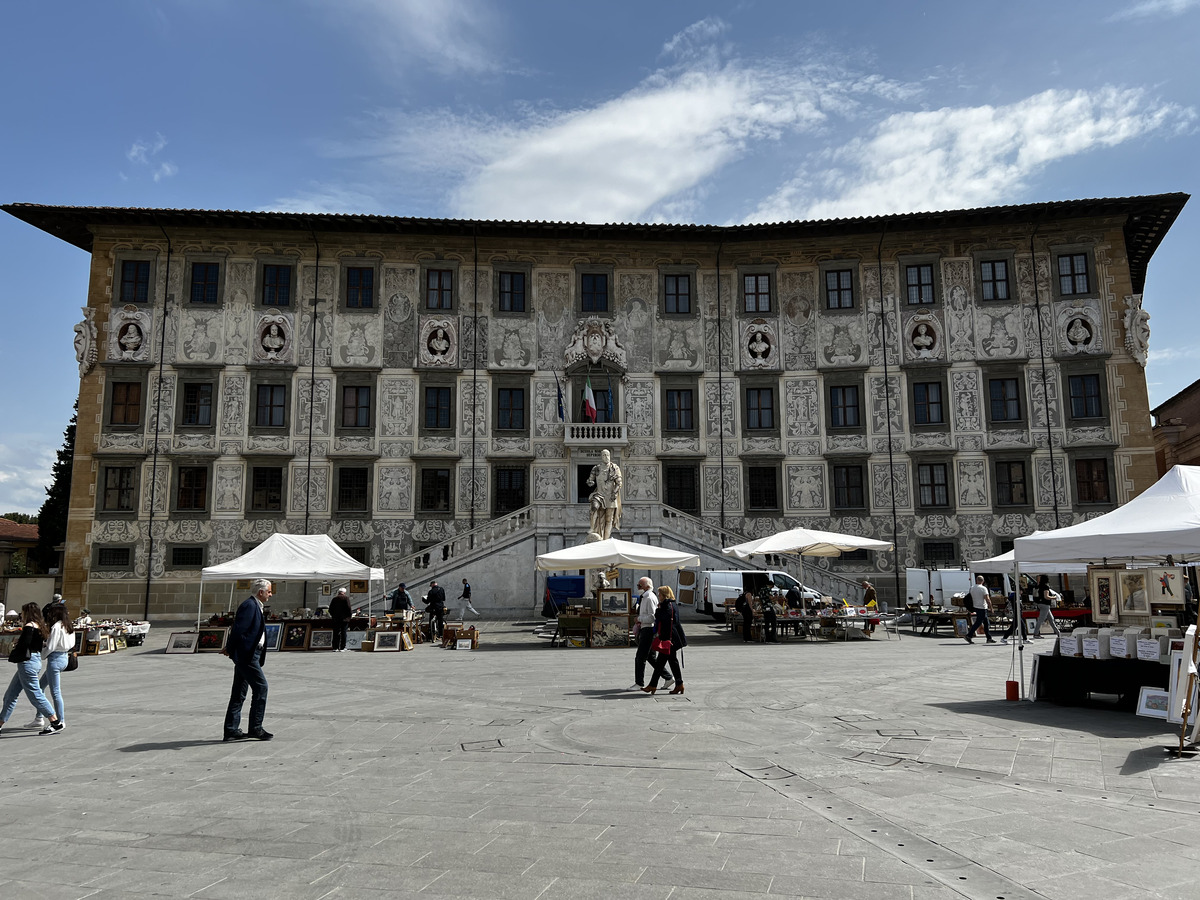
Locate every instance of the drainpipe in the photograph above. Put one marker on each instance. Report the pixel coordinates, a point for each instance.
(312, 391)
(1037, 305)
(887, 389)
(162, 343)
(720, 386)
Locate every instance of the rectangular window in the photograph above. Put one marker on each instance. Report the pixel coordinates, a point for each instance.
(356, 552)
(435, 490)
(192, 495)
(269, 405)
(682, 490)
(187, 557)
(360, 287)
(197, 404)
(932, 484)
(266, 489)
(437, 407)
(126, 403)
(512, 292)
(1085, 396)
(593, 292)
(113, 557)
(856, 556)
(839, 289)
(1073, 273)
(919, 281)
(762, 491)
(848, 487)
(510, 490)
(118, 489)
(205, 278)
(439, 289)
(1091, 481)
(510, 409)
(135, 281)
(277, 285)
(352, 490)
(927, 403)
(677, 294)
(679, 410)
(1005, 397)
(356, 406)
(760, 408)
(1010, 484)
(756, 293)
(843, 406)
(938, 552)
(993, 278)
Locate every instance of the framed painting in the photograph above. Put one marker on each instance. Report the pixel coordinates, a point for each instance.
(358, 587)
(80, 636)
(1179, 678)
(387, 640)
(406, 641)
(181, 642)
(211, 640)
(295, 636)
(1160, 621)
(274, 630)
(1135, 598)
(615, 602)
(610, 631)
(1033, 677)
(1153, 702)
(1165, 585)
(1103, 588)
(463, 644)
(962, 625)
(320, 639)
(243, 584)
(6, 643)
(354, 639)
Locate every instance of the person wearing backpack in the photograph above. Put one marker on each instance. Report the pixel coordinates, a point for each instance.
(1043, 596)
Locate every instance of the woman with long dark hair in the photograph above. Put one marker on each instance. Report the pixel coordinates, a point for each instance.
(1041, 596)
(27, 654)
(60, 643)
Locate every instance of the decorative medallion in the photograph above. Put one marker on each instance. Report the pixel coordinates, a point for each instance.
(595, 339)
(437, 344)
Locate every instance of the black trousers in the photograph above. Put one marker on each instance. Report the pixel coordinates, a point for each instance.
(340, 626)
(644, 639)
(660, 662)
(981, 618)
(747, 623)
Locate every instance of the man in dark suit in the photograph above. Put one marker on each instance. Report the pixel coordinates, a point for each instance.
(339, 611)
(247, 647)
(435, 602)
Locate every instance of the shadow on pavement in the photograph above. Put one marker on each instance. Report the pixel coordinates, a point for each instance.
(1097, 718)
(169, 745)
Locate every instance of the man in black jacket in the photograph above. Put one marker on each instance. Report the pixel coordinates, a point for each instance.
(247, 648)
(435, 603)
(401, 599)
(339, 611)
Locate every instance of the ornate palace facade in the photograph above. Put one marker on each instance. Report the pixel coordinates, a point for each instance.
(958, 379)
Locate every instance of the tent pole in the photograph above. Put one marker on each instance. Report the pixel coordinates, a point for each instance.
(1019, 629)
(199, 605)
(229, 605)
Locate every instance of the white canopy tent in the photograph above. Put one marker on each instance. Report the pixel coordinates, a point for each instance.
(1164, 519)
(1006, 563)
(806, 542)
(614, 553)
(294, 557)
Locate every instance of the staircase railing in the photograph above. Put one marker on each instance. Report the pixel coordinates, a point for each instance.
(478, 539)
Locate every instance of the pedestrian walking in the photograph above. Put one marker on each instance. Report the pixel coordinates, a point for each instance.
(247, 647)
(465, 597)
(647, 604)
(668, 634)
(57, 652)
(979, 602)
(27, 654)
(1044, 597)
(339, 611)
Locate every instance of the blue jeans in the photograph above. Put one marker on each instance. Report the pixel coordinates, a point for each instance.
(26, 680)
(247, 674)
(55, 663)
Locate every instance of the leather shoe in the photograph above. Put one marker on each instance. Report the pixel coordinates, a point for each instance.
(259, 735)
(235, 736)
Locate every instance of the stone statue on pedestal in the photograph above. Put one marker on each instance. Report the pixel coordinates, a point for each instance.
(605, 500)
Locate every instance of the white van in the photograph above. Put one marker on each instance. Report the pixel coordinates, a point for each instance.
(729, 584)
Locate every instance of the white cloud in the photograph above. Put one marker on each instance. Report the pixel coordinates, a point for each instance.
(143, 153)
(1149, 9)
(966, 156)
(453, 36)
(639, 154)
(322, 198)
(25, 472)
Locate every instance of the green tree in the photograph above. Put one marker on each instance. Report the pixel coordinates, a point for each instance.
(20, 518)
(52, 517)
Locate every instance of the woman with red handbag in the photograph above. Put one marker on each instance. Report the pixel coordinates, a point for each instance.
(669, 639)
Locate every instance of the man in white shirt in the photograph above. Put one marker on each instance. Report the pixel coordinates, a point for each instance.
(979, 602)
(647, 607)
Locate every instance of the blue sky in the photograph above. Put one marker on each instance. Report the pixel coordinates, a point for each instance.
(713, 112)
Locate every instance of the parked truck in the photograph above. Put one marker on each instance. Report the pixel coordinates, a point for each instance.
(728, 584)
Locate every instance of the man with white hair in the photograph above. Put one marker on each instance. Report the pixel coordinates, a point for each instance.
(647, 607)
(247, 647)
(339, 611)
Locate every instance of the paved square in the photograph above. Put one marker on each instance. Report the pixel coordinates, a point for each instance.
(882, 769)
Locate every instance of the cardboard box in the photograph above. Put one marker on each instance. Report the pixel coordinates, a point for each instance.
(1151, 649)
(1119, 648)
(1069, 645)
(1091, 647)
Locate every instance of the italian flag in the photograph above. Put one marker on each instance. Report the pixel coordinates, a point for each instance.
(589, 402)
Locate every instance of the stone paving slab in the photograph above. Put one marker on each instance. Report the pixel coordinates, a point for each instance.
(881, 769)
